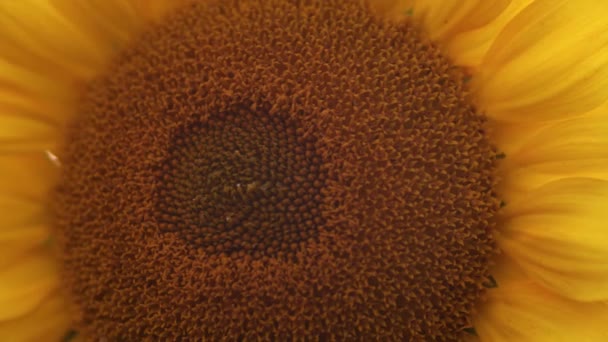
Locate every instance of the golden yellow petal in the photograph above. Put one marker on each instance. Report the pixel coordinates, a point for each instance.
(71, 40)
(18, 129)
(112, 22)
(445, 18)
(22, 238)
(509, 136)
(442, 19)
(18, 211)
(24, 284)
(48, 322)
(23, 226)
(19, 84)
(12, 251)
(49, 47)
(523, 311)
(32, 107)
(39, 37)
(468, 48)
(17, 102)
(549, 62)
(558, 235)
(155, 10)
(26, 175)
(570, 148)
(19, 241)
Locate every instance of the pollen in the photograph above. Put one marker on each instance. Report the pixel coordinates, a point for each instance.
(277, 170)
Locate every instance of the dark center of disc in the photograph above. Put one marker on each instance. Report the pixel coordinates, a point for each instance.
(242, 182)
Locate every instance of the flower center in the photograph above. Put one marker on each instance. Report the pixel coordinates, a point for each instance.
(277, 170)
(242, 182)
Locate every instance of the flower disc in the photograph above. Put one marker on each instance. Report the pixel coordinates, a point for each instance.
(242, 183)
(277, 170)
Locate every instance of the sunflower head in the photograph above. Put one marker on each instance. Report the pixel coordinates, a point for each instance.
(325, 170)
(283, 153)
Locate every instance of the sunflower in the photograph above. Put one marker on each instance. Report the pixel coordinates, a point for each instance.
(293, 170)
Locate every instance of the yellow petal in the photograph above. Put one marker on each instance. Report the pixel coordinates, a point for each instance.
(468, 48)
(48, 322)
(27, 175)
(22, 225)
(445, 18)
(25, 237)
(558, 235)
(13, 251)
(110, 23)
(24, 221)
(570, 148)
(30, 94)
(20, 211)
(550, 61)
(72, 40)
(18, 103)
(25, 129)
(525, 312)
(155, 10)
(32, 107)
(29, 85)
(39, 37)
(26, 283)
(509, 137)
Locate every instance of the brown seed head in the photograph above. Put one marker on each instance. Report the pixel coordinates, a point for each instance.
(277, 170)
